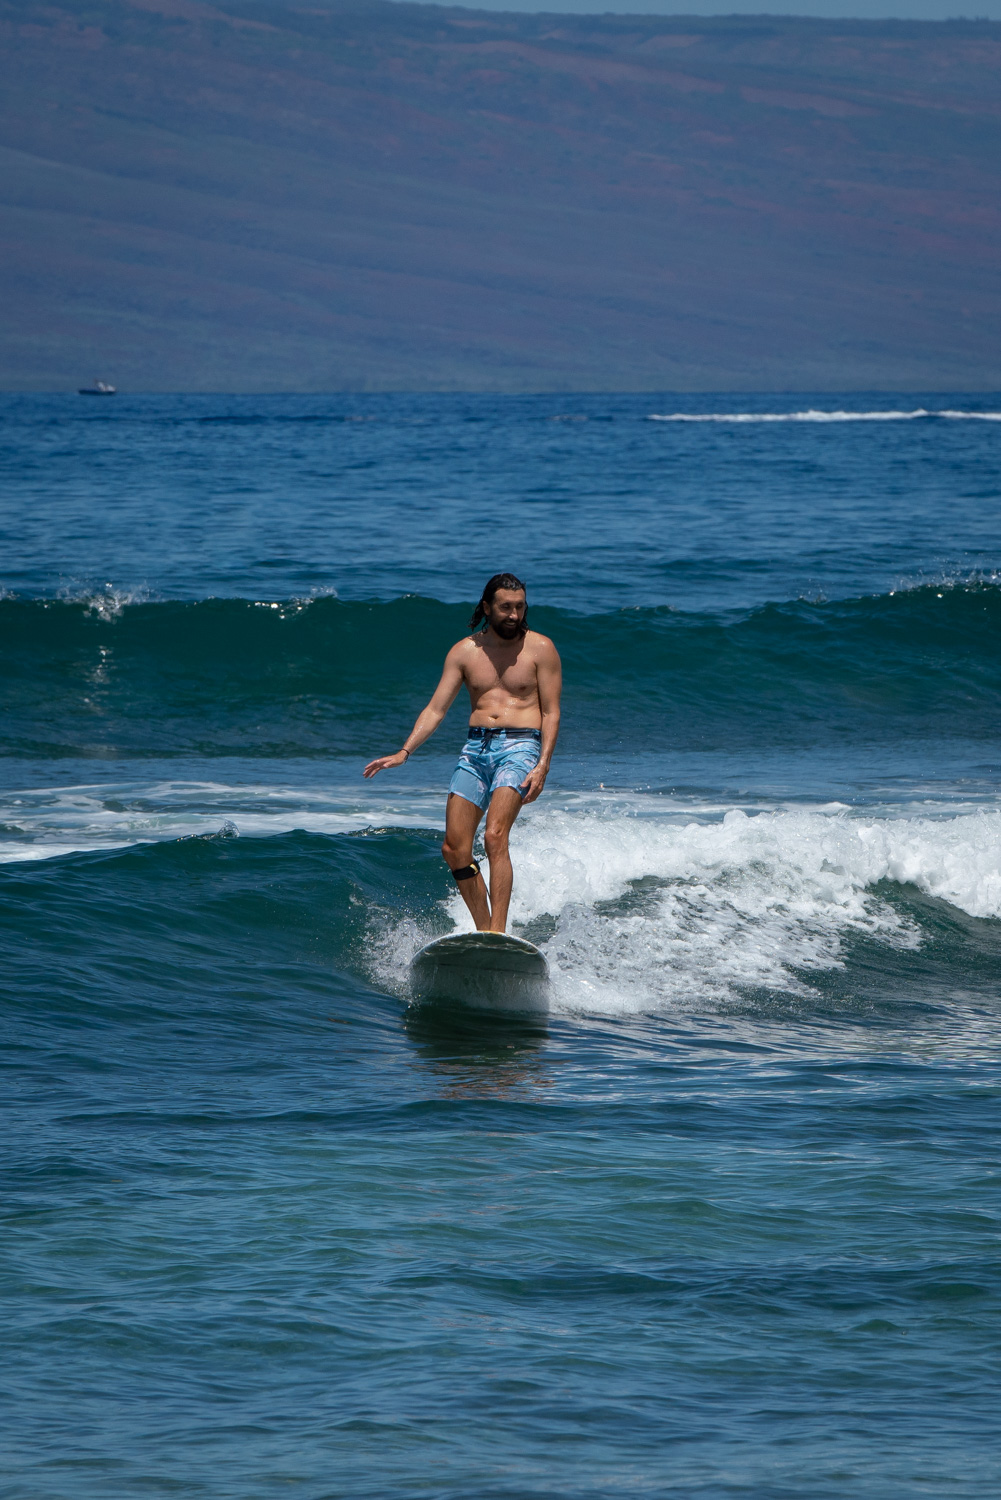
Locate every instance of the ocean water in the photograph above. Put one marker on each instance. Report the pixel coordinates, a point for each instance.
(728, 1225)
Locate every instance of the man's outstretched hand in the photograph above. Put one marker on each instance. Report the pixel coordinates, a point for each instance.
(534, 782)
(384, 762)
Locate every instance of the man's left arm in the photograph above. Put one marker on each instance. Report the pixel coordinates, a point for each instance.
(550, 679)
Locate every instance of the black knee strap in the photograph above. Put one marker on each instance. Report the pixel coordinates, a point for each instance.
(468, 872)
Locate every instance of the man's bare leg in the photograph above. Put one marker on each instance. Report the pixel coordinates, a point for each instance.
(461, 821)
(505, 805)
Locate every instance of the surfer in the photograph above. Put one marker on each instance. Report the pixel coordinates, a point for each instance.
(513, 676)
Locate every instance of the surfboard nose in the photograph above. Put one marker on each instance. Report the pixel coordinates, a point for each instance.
(486, 971)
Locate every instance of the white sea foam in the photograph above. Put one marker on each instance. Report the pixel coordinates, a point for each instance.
(640, 901)
(812, 415)
(651, 913)
(43, 823)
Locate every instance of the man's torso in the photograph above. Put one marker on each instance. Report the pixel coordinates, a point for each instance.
(503, 682)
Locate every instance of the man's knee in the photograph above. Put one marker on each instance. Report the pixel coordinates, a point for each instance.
(456, 854)
(495, 841)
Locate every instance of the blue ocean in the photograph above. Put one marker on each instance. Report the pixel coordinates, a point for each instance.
(727, 1225)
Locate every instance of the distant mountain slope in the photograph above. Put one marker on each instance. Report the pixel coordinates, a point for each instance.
(329, 196)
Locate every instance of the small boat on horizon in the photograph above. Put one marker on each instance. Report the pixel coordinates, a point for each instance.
(99, 388)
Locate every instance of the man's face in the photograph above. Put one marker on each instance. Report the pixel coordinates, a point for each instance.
(507, 612)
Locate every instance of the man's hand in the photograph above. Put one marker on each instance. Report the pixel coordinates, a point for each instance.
(384, 762)
(533, 783)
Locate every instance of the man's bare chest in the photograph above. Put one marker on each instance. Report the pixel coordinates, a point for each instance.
(512, 674)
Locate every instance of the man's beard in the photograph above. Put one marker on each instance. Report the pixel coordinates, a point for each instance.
(508, 630)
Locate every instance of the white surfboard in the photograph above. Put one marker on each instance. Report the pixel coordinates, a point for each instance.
(486, 971)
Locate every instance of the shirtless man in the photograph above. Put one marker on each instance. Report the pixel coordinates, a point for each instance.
(513, 677)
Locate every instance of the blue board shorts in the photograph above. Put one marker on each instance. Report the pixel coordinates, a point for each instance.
(495, 757)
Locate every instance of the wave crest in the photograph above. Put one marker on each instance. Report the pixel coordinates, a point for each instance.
(651, 913)
(319, 676)
(812, 415)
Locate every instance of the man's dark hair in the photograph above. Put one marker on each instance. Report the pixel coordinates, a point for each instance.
(498, 581)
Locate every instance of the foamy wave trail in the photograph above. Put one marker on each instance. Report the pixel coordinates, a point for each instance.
(638, 914)
(53, 820)
(813, 415)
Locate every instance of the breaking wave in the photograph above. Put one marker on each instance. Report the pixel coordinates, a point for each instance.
(637, 913)
(826, 416)
(640, 908)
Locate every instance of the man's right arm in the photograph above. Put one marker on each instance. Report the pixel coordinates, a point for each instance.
(429, 718)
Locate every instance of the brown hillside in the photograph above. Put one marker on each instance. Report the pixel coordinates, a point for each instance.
(263, 196)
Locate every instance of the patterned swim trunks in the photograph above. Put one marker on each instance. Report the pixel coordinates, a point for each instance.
(495, 757)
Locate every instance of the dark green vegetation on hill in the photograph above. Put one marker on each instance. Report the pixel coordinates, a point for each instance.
(263, 196)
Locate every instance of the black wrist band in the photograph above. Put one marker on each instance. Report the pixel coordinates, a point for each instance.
(405, 751)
